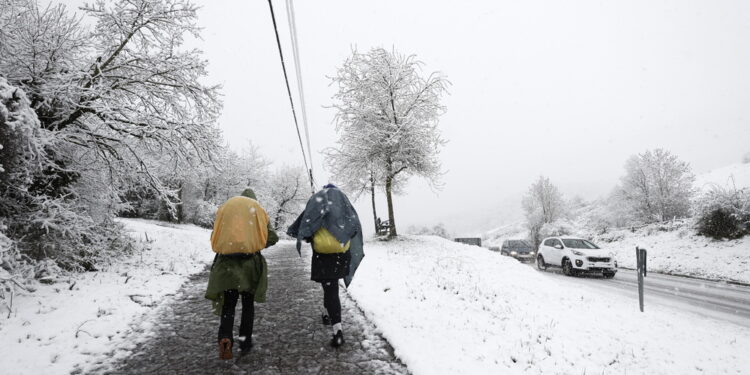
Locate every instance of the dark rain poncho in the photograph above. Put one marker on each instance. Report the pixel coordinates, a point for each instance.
(331, 209)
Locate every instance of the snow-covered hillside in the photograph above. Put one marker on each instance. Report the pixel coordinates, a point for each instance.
(674, 248)
(452, 308)
(496, 236)
(73, 324)
(737, 175)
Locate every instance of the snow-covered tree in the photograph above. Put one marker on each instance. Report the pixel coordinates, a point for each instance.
(118, 103)
(542, 204)
(657, 186)
(284, 196)
(387, 117)
(354, 172)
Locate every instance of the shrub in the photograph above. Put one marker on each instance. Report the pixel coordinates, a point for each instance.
(204, 214)
(723, 213)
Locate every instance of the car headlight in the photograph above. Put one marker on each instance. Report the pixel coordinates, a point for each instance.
(576, 252)
(531, 253)
(513, 253)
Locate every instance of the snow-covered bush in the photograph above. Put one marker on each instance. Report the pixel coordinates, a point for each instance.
(723, 213)
(436, 230)
(204, 214)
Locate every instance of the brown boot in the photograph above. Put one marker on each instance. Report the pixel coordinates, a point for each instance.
(225, 349)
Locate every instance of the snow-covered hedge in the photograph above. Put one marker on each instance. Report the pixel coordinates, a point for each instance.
(723, 213)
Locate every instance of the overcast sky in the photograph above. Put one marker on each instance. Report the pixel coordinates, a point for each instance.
(539, 88)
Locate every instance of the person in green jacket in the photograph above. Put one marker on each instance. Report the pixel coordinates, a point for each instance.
(239, 269)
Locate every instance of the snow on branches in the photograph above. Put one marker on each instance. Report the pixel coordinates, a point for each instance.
(543, 205)
(387, 115)
(657, 186)
(117, 108)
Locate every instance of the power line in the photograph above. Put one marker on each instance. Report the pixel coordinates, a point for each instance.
(298, 70)
(289, 92)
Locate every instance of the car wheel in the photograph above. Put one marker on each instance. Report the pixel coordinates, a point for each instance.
(608, 275)
(567, 267)
(540, 263)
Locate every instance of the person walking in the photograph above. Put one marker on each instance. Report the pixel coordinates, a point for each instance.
(332, 225)
(241, 231)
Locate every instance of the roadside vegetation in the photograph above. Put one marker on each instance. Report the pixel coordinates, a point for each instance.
(656, 189)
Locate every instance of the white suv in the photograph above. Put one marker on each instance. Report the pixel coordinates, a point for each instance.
(575, 255)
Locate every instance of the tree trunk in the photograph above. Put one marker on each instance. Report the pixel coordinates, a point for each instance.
(180, 211)
(389, 198)
(372, 194)
(277, 221)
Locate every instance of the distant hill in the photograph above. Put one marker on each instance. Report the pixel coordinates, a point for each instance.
(734, 174)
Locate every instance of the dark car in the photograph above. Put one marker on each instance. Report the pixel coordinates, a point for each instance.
(519, 249)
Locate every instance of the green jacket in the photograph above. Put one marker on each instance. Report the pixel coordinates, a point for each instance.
(246, 273)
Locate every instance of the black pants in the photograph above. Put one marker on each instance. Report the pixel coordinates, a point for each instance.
(331, 299)
(227, 315)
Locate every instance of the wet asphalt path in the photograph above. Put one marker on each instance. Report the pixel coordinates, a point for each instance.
(712, 299)
(289, 337)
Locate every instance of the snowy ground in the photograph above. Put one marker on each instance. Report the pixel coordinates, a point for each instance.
(67, 326)
(445, 307)
(452, 308)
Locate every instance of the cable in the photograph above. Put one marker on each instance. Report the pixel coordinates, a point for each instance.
(298, 70)
(289, 92)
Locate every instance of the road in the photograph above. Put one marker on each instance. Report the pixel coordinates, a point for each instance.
(712, 299)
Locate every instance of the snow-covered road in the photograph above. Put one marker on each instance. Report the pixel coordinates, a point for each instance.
(713, 299)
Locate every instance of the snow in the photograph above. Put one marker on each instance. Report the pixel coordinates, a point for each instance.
(680, 251)
(453, 308)
(672, 248)
(737, 175)
(676, 249)
(74, 325)
(444, 306)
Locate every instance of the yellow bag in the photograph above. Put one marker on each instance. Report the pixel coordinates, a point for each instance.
(325, 243)
(241, 226)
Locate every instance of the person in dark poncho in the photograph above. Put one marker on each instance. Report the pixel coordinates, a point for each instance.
(241, 231)
(331, 224)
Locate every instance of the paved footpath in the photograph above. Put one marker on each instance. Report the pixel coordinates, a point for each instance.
(289, 336)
